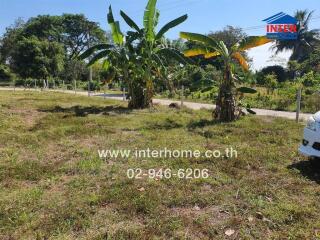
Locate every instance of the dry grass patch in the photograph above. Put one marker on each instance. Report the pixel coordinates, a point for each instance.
(53, 185)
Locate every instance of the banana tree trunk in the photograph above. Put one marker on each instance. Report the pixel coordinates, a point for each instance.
(226, 105)
(135, 90)
(137, 98)
(140, 93)
(149, 92)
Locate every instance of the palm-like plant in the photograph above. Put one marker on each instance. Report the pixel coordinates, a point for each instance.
(226, 109)
(140, 54)
(306, 38)
(116, 56)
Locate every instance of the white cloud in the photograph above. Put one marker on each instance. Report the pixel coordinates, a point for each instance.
(264, 56)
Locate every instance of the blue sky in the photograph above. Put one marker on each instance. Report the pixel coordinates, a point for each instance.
(204, 15)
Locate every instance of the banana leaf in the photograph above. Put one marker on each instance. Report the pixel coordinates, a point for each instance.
(117, 36)
(149, 19)
(170, 25)
(209, 42)
(241, 60)
(99, 56)
(249, 110)
(93, 49)
(247, 90)
(129, 21)
(175, 54)
(252, 41)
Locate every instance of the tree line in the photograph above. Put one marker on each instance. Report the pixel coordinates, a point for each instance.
(46, 47)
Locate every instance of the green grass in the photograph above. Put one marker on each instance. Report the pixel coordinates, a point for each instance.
(281, 99)
(53, 185)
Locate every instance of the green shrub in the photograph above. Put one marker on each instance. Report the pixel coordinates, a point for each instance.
(94, 86)
(5, 74)
(309, 79)
(70, 86)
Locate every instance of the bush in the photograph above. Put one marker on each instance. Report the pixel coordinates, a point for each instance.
(94, 86)
(70, 86)
(279, 71)
(309, 79)
(311, 103)
(5, 74)
(271, 82)
(309, 91)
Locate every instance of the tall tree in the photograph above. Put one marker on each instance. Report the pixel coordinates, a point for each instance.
(38, 59)
(4, 73)
(9, 40)
(307, 39)
(79, 34)
(74, 31)
(229, 35)
(44, 27)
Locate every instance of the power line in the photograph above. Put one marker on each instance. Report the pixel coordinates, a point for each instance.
(168, 7)
(169, 4)
(263, 26)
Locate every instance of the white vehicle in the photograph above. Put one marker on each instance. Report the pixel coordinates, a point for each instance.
(311, 140)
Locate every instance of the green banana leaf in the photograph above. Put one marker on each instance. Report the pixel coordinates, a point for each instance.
(98, 56)
(209, 42)
(174, 53)
(106, 64)
(115, 28)
(247, 90)
(93, 49)
(129, 21)
(170, 25)
(149, 19)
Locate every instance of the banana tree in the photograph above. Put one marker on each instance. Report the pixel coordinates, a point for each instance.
(226, 107)
(116, 56)
(140, 53)
(151, 48)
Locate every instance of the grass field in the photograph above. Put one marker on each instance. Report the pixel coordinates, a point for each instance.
(53, 185)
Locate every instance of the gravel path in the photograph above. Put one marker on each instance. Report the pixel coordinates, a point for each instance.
(191, 105)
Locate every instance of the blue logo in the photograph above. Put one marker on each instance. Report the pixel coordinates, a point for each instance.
(282, 27)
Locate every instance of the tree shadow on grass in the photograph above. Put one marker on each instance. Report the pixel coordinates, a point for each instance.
(198, 127)
(81, 111)
(167, 124)
(201, 123)
(309, 169)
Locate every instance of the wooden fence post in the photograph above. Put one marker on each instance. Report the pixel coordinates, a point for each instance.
(298, 105)
(182, 95)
